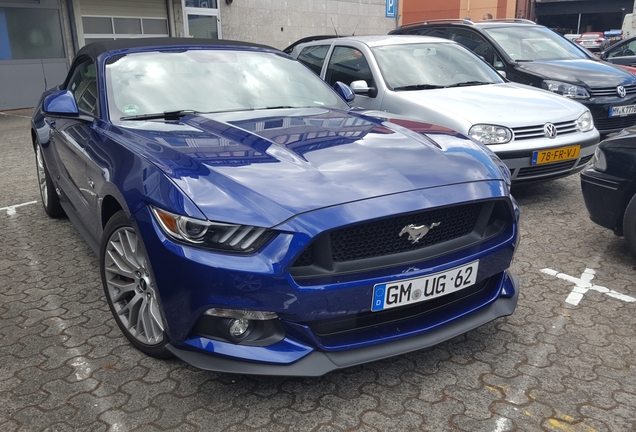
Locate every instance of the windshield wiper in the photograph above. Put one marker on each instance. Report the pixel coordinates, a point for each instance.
(469, 83)
(418, 87)
(166, 115)
(275, 107)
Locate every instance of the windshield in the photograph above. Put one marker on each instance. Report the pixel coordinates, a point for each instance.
(428, 65)
(211, 80)
(535, 43)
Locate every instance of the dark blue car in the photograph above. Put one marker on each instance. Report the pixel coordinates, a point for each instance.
(247, 220)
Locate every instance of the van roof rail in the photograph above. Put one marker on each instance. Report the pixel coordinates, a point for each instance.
(435, 21)
(517, 20)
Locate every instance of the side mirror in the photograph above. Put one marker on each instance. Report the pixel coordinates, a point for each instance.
(603, 55)
(362, 88)
(344, 91)
(61, 103)
(502, 73)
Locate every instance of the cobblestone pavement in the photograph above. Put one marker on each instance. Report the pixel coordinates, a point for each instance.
(552, 365)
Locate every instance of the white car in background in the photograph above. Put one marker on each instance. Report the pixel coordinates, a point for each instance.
(539, 135)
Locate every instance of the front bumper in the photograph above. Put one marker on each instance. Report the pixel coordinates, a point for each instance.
(599, 108)
(317, 363)
(191, 281)
(518, 157)
(604, 197)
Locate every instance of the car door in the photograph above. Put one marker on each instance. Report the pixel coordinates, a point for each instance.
(70, 136)
(348, 64)
(623, 53)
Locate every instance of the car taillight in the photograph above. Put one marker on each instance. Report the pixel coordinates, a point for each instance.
(599, 41)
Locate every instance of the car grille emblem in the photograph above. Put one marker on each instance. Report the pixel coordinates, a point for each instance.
(550, 130)
(621, 91)
(417, 232)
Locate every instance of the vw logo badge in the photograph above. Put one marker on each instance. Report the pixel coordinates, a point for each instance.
(550, 130)
(621, 91)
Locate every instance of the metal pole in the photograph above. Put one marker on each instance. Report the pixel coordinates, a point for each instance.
(578, 27)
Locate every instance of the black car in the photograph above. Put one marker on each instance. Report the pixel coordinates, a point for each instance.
(609, 186)
(535, 55)
(622, 53)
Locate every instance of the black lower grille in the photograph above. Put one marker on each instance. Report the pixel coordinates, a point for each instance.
(364, 320)
(584, 160)
(614, 123)
(539, 170)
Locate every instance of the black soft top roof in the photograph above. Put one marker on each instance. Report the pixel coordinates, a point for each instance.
(94, 49)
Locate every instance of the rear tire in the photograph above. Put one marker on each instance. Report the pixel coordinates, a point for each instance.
(130, 288)
(50, 199)
(629, 225)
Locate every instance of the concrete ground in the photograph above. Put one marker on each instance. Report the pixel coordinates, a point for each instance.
(562, 361)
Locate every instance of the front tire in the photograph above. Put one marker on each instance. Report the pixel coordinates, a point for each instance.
(50, 199)
(130, 287)
(629, 225)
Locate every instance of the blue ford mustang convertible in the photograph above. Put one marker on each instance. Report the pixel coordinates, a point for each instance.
(247, 220)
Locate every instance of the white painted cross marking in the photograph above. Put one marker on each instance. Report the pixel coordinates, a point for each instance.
(584, 284)
(11, 209)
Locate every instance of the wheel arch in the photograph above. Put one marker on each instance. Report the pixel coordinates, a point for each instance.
(110, 206)
(626, 197)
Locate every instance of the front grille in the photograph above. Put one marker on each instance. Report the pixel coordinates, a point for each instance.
(378, 244)
(536, 131)
(611, 91)
(380, 238)
(615, 123)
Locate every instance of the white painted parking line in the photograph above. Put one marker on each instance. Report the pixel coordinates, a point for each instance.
(11, 209)
(13, 115)
(584, 284)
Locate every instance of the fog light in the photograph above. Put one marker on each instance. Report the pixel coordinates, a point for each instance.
(238, 327)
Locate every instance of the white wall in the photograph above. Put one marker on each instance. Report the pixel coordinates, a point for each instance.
(279, 23)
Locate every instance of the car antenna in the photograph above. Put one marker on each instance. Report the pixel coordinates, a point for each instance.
(334, 28)
(354, 30)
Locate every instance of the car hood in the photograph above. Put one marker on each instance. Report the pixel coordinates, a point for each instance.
(498, 104)
(590, 73)
(262, 168)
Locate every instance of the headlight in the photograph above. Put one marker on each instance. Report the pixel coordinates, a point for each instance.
(212, 235)
(490, 134)
(565, 89)
(600, 163)
(585, 123)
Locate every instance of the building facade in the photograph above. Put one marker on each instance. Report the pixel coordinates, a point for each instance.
(418, 10)
(38, 38)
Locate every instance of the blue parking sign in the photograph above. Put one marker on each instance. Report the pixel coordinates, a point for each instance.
(390, 8)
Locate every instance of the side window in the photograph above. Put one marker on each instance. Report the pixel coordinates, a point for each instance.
(348, 65)
(434, 32)
(313, 57)
(624, 50)
(474, 42)
(83, 85)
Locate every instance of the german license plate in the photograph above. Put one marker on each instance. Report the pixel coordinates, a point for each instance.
(416, 290)
(555, 155)
(619, 111)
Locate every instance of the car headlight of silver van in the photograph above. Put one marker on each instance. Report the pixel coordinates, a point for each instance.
(566, 89)
(490, 134)
(585, 122)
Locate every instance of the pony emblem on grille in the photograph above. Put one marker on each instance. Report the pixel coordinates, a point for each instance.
(417, 232)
